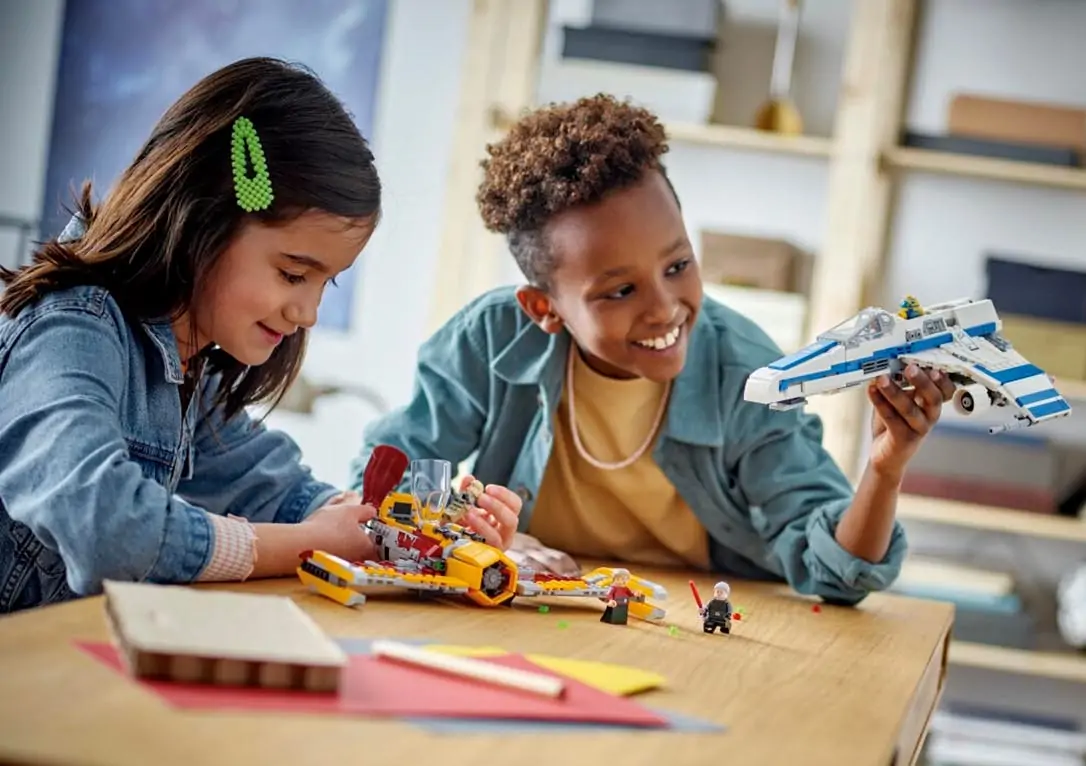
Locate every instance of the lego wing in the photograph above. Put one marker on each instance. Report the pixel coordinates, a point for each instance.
(999, 375)
(539, 584)
(334, 577)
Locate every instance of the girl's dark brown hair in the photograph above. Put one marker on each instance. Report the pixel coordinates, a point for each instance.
(155, 237)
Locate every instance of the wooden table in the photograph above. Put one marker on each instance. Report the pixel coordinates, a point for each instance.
(791, 685)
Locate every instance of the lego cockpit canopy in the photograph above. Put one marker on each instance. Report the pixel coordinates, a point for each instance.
(869, 324)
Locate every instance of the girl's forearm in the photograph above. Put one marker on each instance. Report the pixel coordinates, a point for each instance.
(278, 546)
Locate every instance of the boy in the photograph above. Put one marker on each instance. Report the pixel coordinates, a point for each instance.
(609, 396)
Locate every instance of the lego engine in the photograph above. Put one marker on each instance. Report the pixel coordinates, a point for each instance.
(972, 400)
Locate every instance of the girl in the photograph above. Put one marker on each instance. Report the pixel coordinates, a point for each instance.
(131, 346)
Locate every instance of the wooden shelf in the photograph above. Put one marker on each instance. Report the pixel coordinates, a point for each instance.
(916, 508)
(1071, 389)
(946, 163)
(1058, 665)
(736, 137)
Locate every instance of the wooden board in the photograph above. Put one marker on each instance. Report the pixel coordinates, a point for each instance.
(235, 639)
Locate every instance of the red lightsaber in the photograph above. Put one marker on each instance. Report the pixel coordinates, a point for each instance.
(697, 598)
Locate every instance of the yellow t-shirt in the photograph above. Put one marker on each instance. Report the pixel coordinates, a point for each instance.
(632, 514)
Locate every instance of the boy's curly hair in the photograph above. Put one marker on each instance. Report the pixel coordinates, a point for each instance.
(559, 157)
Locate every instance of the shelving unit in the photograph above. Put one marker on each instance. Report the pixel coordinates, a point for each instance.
(945, 163)
(1059, 666)
(1072, 389)
(735, 137)
(958, 514)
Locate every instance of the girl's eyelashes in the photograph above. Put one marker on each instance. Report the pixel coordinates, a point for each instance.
(297, 279)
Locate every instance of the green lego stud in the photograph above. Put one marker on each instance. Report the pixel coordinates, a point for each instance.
(672, 631)
(562, 624)
(253, 193)
(544, 609)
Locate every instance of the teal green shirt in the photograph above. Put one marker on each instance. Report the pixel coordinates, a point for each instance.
(487, 386)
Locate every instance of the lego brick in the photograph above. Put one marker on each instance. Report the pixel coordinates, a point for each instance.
(1036, 289)
(1006, 150)
(629, 46)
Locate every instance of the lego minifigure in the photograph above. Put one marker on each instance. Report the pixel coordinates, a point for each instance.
(460, 502)
(718, 612)
(618, 599)
(910, 308)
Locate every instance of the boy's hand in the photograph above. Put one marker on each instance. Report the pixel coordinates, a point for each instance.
(903, 418)
(336, 527)
(496, 516)
(528, 552)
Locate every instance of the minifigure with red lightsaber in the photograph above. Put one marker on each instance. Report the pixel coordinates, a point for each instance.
(718, 612)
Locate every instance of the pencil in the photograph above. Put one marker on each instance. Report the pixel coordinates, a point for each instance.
(466, 667)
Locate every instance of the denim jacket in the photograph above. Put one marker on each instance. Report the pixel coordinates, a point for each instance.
(488, 384)
(101, 474)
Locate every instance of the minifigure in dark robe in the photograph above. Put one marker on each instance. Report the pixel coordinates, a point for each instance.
(717, 612)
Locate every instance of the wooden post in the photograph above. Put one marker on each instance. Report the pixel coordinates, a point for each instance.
(498, 82)
(872, 97)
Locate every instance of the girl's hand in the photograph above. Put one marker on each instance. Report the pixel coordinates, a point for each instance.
(337, 527)
(528, 552)
(903, 418)
(496, 516)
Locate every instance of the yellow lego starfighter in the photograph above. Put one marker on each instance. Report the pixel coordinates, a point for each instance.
(425, 552)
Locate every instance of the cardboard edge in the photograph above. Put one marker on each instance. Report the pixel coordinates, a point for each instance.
(925, 701)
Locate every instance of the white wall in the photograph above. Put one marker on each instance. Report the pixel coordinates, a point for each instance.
(29, 47)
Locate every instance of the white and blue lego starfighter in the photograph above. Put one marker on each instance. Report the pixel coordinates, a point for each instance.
(960, 338)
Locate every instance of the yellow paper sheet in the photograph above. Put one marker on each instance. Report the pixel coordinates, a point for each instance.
(614, 679)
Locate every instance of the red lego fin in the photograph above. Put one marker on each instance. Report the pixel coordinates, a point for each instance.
(383, 471)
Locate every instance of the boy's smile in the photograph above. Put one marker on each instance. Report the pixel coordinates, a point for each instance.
(625, 282)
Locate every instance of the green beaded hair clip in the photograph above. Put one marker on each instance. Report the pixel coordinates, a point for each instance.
(253, 193)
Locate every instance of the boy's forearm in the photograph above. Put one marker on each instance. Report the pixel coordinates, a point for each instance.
(865, 529)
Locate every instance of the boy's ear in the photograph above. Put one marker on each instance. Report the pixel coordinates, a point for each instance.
(537, 305)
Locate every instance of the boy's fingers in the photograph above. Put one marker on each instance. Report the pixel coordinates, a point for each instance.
(891, 418)
(930, 395)
(944, 384)
(904, 404)
(480, 525)
(502, 513)
(505, 495)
